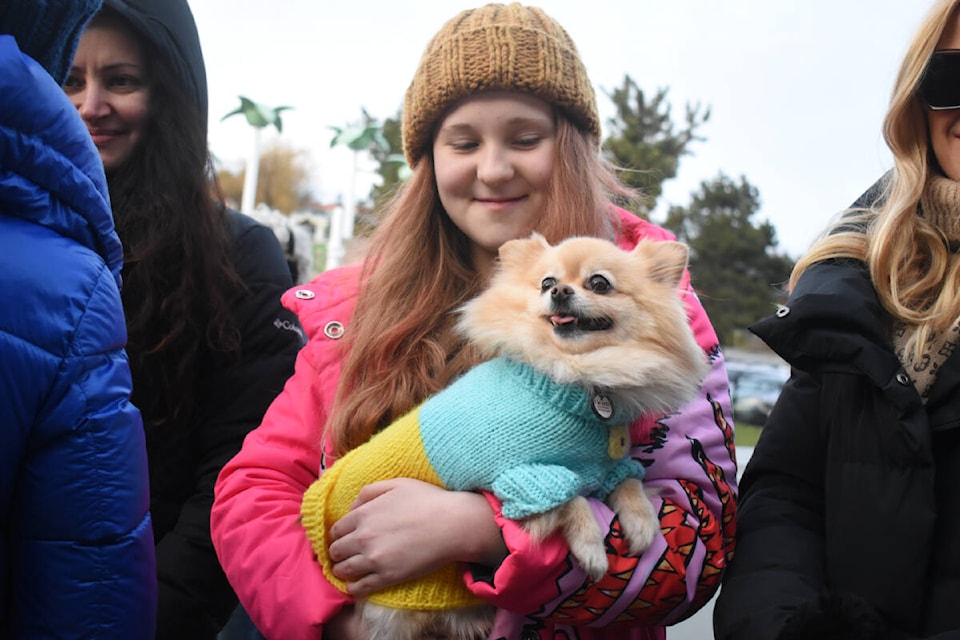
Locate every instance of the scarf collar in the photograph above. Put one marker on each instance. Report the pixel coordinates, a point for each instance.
(940, 206)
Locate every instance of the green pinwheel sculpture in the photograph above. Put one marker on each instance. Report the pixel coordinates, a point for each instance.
(259, 117)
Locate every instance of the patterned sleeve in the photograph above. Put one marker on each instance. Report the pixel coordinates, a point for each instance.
(691, 469)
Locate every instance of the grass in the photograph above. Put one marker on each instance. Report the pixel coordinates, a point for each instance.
(746, 435)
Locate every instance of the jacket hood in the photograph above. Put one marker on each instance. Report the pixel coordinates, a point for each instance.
(48, 30)
(50, 171)
(833, 316)
(170, 27)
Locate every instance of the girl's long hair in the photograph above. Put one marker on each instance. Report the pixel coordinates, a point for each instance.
(908, 258)
(178, 276)
(401, 346)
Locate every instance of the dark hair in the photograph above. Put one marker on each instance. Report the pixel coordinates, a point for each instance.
(178, 275)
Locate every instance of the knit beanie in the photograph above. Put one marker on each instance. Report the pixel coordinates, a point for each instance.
(169, 26)
(48, 30)
(496, 47)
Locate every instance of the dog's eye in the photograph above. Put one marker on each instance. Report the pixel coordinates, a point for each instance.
(547, 283)
(599, 284)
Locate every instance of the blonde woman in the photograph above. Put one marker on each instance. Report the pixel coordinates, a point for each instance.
(848, 524)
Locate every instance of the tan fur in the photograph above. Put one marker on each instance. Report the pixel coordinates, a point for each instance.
(647, 361)
(383, 623)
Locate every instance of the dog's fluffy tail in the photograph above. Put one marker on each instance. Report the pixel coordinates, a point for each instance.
(467, 623)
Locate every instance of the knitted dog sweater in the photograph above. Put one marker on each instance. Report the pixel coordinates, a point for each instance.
(503, 427)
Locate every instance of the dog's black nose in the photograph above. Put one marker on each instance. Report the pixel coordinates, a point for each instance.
(561, 292)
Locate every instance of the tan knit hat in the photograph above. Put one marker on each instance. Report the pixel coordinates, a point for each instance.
(497, 46)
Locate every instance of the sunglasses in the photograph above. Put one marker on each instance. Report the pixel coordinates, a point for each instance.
(940, 86)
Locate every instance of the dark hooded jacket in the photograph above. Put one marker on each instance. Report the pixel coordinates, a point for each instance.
(195, 599)
(847, 522)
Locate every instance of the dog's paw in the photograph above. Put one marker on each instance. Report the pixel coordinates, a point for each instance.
(639, 530)
(637, 516)
(592, 558)
(584, 536)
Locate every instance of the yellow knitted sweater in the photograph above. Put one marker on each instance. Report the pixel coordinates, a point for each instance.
(328, 499)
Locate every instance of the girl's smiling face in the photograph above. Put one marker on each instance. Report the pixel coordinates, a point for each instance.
(493, 157)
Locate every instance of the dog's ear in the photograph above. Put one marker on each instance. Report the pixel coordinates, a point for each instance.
(522, 250)
(665, 261)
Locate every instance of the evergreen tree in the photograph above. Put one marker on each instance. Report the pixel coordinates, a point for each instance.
(392, 168)
(645, 141)
(367, 136)
(733, 260)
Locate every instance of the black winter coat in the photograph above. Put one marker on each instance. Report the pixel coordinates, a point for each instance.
(195, 599)
(848, 524)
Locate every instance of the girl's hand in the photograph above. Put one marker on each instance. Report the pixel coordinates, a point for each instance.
(401, 529)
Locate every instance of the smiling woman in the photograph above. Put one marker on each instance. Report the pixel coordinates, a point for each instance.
(109, 85)
(507, 141)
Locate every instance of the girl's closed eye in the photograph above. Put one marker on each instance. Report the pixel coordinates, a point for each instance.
(464, 145)
(528, 141)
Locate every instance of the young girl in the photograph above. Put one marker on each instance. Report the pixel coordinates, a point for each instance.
(501, 129)
(849, 519)
(210, 346)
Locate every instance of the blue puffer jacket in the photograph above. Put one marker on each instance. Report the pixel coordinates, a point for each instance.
(76, 546)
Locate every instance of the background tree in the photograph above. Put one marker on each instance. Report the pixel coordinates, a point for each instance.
(258, 116)
(645, 140)
(231, 186)
(391, 165)
(366, 136)
(733, 261)
(284, 182)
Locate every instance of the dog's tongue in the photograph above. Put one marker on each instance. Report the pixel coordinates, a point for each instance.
(562, 319)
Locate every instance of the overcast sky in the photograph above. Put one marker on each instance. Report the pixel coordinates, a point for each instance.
(797, 88)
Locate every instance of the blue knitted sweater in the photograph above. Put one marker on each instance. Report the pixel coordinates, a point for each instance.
(535, 443)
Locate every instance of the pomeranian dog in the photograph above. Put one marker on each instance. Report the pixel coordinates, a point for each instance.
(583, 338)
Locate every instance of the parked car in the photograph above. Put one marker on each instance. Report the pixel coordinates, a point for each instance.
(754, 389)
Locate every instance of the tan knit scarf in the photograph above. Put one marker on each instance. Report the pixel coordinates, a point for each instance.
(940, 205)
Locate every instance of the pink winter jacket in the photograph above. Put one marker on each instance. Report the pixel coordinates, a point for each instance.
(539, 590)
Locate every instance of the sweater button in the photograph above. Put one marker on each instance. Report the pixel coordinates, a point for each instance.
(304, 294)
(783, 311)
(333, 330)
(903, 378)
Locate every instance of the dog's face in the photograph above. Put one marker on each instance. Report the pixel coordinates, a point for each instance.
(546, 302)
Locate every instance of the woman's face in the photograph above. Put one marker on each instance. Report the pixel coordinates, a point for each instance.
(944, 125)
(108, 85)
(493, 156)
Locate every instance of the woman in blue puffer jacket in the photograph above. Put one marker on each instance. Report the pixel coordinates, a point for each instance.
(76, 545)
